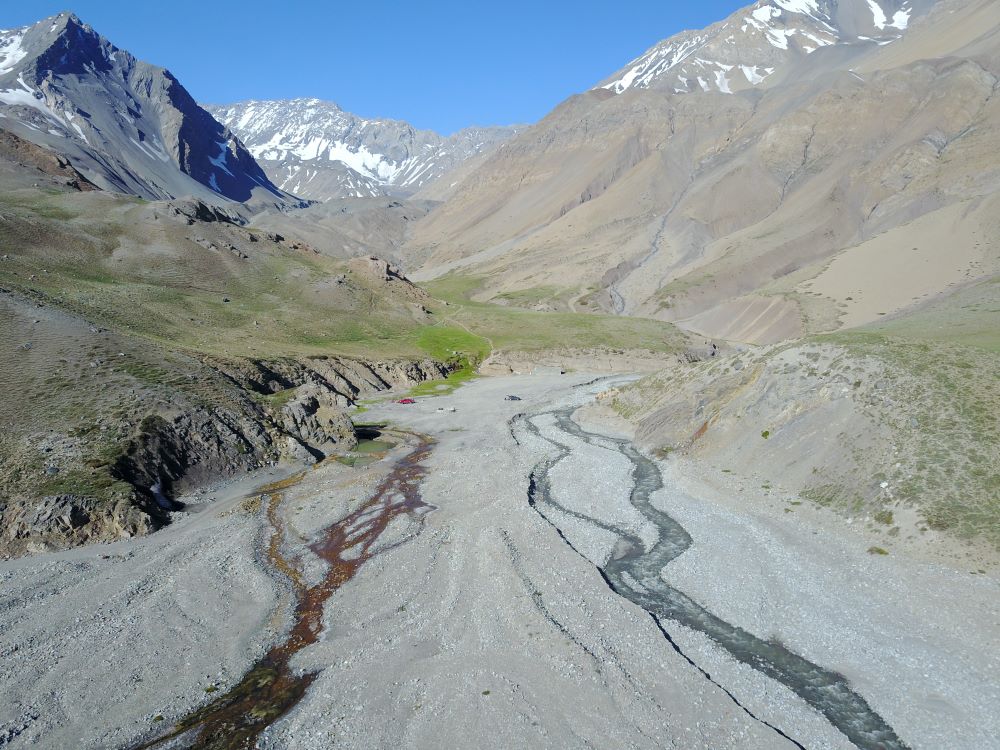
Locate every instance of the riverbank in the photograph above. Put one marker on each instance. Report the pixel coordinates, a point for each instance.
(485, 629)
(913, 637)
(917, 638)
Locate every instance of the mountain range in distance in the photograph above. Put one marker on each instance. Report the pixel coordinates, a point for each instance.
(311, 149)
(316, 150)
(707, 183)
(761, 44)
(132, 127)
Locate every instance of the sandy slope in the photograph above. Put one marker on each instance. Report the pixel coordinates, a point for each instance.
(911, 263)
(712, 211)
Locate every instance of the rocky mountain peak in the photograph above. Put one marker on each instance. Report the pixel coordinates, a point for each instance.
(125, 124)
(746, 49)
(57, 46)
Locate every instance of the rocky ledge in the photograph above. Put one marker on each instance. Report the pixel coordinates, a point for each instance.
(289, 409)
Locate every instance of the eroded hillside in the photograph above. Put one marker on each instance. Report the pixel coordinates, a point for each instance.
(747, 216)
(893, 425)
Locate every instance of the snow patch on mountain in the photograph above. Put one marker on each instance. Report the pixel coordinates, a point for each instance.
(878, 15)
(220, 160)
(26, 96)
(11, 51)
(756, 41)
(316, 150)
(901, 18)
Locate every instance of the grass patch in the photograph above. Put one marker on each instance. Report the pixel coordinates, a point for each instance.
(518, 330)
(446, 386)
(278, 400)
(530, 297)
(883, 517)
(940, 398)
(455, 289)
(96, 483)
(100, 261)
(456, 346)
(356, 461)
(446, 343)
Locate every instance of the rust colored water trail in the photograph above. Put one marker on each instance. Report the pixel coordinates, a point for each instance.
(270, 689)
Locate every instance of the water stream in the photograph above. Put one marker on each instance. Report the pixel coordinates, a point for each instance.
(634, 572)
(271, 688)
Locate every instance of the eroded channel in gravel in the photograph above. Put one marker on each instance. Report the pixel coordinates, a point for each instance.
(272, 688)
(634, 572)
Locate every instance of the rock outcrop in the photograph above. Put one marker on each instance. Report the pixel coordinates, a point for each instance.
(315, 423)
(171, 452)
(59, 521)
(26, 154)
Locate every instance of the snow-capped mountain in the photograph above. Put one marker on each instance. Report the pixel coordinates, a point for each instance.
(125, 124)
(749, 47)
(316, 150)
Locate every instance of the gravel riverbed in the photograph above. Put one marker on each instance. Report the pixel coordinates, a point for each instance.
(478, 625)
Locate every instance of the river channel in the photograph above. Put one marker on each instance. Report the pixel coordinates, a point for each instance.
(634, 571)
(236, 719)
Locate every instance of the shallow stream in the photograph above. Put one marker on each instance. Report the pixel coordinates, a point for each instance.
(236, 719)
(635, 572)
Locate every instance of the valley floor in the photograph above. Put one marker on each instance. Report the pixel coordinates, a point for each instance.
(478, 625)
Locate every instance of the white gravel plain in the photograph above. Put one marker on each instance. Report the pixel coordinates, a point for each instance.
(918, 640)
(486, 629)
(98, 641)
(478, 626)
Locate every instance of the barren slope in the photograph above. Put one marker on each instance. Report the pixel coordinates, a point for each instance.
(893, 425)
(718, 209)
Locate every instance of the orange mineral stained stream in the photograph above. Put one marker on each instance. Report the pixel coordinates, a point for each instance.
(270, 689)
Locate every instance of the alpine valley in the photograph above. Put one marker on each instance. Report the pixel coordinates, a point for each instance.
(670, 420)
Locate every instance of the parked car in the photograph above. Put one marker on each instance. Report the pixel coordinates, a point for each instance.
(511, 398)
(406, 401)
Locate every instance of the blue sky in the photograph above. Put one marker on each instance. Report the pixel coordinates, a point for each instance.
(440, 65)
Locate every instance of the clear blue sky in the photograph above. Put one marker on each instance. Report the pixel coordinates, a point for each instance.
(440, 64)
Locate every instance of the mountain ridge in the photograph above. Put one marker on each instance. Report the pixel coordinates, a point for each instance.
(316, 149)
(750, 46)
(128, 125)
(717, 210)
